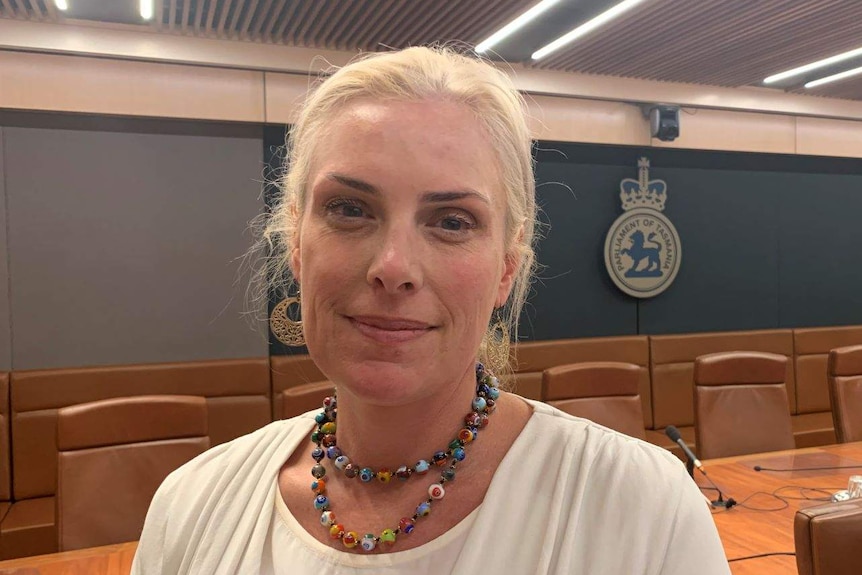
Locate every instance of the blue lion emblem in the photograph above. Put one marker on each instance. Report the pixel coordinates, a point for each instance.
(639, 252)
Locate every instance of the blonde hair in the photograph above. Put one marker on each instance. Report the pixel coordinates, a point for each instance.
(417, 74)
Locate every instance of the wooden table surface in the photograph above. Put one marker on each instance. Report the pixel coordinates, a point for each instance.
(762, 523)
(107, 560)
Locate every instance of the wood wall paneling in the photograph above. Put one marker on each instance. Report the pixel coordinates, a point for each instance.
(826, 137)
(705, 129)
(101, 86)
(594, 121)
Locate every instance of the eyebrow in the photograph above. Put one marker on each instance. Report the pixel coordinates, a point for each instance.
(432, 197)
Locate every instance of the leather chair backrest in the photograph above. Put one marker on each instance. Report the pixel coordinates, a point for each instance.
(301, 398)
(604, 392)
(534, 357)
(827, 539)
(845, 392)
(112, 456)
(740, 404)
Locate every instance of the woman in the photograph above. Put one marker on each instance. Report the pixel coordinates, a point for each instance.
(407, 222)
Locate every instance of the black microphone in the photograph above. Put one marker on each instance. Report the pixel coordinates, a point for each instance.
(673, 433)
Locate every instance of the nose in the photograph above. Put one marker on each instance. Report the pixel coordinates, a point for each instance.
(395, 265)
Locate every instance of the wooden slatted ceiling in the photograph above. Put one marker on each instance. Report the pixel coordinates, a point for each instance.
(711, 42)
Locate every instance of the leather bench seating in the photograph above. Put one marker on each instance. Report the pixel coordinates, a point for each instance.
(297, 386)
(238, 401)
(5, 453)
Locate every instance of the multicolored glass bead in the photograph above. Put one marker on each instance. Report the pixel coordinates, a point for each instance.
(440, 458)
(479, 403)
(341, 462)
(384, 475)
(423, 509)
(448, 474)
(333, 452)
(403, 473)
(350, 539)
(336, 531)
(406, 525)
(465, 435)
(369, 542)
(328, 440)
(350, 471)
(436, 491)
(318, 471)
(321, 502)
(366, 474)
(421, 467)
(317, 454)
(388, 536)
(459, 454)
(328, 427)
(318, 486)
(327, 518)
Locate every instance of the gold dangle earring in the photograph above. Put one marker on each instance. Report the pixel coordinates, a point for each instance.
(497, 342)
(286, 329)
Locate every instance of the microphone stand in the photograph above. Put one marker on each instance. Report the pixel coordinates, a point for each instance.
(721, 501)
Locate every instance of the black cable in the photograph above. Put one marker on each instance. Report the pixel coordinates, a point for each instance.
(759, 468)
(762, 555)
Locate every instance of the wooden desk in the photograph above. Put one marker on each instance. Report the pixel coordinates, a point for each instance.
(746, 532)
(108, 560)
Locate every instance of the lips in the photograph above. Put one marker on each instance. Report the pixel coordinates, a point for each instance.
(390, 330)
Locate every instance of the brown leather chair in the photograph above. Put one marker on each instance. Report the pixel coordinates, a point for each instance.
(306, 397)
(606, 392)
(827, 539)
(112, 456)
(740, 404)
(845, 392)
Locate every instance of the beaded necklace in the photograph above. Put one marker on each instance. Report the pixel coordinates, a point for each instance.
(324, 438)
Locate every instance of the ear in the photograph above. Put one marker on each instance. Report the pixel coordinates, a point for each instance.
(296, 264)
(511, 264)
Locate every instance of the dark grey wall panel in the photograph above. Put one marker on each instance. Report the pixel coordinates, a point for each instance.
(821, 250)
(573, 296)
(728, 225)
(5, 323)
(123, 245)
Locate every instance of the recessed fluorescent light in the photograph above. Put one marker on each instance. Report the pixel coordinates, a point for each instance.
(61, 4)
(834, 77)
(515, 25)
(146, 9)
(586, 28)
(813, 66)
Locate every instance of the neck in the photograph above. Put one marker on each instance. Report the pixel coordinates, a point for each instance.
(390, 436)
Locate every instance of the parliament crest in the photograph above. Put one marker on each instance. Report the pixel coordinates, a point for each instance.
(642, 248)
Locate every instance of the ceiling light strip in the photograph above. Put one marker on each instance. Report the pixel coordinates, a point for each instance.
(813, 66)
(586, 28)
(146, 8)
(834, 77)
(515, 25)
(61, 5)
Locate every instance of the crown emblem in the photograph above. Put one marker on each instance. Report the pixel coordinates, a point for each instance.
(643, 192)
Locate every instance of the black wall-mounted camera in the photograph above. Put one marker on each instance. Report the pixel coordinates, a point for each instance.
(663, 122)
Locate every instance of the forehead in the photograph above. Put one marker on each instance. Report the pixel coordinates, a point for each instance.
(440, 142)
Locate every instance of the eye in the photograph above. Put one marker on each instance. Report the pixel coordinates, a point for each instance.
(456, 223)
(345, 208)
